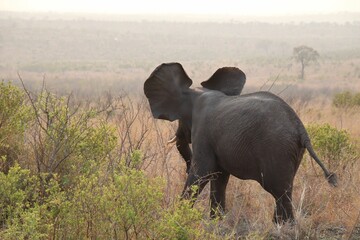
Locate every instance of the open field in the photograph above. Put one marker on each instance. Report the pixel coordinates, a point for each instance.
(104, 64)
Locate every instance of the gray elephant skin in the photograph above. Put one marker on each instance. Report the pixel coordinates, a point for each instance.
(254, 136)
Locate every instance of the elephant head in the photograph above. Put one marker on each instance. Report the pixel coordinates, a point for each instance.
(168, 92)
(171, 98)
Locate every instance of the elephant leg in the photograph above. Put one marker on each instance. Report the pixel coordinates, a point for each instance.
(217, 194)
(279, 184)
(192, 181)
(284, 209)
(202, 170)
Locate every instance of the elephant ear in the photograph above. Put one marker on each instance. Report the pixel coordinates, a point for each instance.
(229, 80)
(166, 89)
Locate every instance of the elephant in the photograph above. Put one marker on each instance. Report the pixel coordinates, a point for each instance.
(255, 136)
(228, 80)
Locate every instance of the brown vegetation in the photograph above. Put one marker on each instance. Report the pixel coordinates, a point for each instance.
(87, 58)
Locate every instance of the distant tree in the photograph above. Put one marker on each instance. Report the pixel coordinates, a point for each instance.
(305, 55)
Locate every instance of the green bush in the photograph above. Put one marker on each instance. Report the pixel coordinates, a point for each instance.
(124, 204)
(332, 144)
(182, 222)
(346, 100)
(14, 116)
(22, 215)
(356, 99)
(65, 137)
(70, 182)
(13, 111)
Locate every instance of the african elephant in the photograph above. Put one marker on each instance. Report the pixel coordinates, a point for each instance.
(254, 136)
(228, 80)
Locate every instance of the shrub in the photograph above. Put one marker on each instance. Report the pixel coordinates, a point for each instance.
(65, 136)
(121, 205)
(182, 222)
(124, 204)
(21, 213)
(356, 99)
(127, 205)
(74, 185)
(14, 116)
(332, 144)
(346, 100)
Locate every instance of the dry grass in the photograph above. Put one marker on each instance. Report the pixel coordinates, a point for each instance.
(322, 212)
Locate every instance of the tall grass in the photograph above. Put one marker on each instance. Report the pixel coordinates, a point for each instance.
(84, 196)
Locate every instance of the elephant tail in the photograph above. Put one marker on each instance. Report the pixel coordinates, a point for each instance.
(331, 177)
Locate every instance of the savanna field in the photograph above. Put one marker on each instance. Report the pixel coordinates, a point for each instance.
(81, 156)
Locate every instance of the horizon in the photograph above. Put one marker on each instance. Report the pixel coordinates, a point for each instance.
(336, 17)
(260, 8)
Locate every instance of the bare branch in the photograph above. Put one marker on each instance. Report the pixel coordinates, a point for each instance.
(277, 77)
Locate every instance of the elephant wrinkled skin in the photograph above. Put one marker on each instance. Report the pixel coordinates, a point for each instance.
(254, 136)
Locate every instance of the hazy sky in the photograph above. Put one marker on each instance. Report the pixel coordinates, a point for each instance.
(237, 7)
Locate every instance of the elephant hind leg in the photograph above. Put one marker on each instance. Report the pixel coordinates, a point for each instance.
(281, 190)
(284, 209)
(279, 184)
(217, 194)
